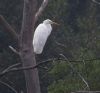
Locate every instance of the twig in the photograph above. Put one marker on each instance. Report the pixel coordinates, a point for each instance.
(8, 81)
(85, 60)
(10, 87)
(12, 69)
(61, 44)
(41, 9)
(8, 28)
(86, 83)
(96, 2)
(14, 50)
(45, 68)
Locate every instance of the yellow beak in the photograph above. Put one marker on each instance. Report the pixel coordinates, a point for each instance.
(55, 23)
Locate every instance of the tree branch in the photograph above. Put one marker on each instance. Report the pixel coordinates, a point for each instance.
(10, 87)
(70, 64)
(10, 67)
(94, 59)
(96, 2)
(14, 50)
(13, 69)
(59, 44)
(8, 28)
(26, 48)
(41, 9)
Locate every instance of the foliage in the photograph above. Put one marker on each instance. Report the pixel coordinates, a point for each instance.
(79, 41)
(65, 79)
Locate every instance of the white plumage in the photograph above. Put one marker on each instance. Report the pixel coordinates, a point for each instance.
(41, 35)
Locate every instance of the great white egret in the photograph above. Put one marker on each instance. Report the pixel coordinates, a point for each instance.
(41, 35)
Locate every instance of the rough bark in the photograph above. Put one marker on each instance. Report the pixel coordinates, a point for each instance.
(26, 48)
(30, 16)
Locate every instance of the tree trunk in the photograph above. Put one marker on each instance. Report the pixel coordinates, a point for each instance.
(26, 47)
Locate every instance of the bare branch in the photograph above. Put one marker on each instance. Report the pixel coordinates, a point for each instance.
(41, 9)
(26, 48)
(8, 28)
(13, 69)
(96, 2)
(86, 60)
(70, 64)
(94, 59)
(10, 67)
(60, 44)
(14, 50)
(10, 87)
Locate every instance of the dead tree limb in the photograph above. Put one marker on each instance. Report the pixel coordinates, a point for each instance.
(41, 9)
(96, 2)
(10, 87)
(26, 48)
(8, 28)
(9, 68)
(14, 50)
(13, 68)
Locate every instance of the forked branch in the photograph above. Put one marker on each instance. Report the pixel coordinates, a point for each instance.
(13, 68)
(41, 9)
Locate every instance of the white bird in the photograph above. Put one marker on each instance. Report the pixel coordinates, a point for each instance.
(41, 35)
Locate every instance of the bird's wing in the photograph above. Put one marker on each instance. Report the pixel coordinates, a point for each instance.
(40, 37)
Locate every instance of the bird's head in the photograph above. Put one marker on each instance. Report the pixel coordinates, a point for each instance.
(48, 21)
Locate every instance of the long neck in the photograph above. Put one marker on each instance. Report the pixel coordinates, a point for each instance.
(49, 26)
